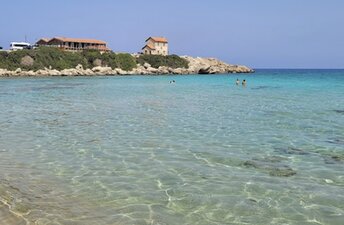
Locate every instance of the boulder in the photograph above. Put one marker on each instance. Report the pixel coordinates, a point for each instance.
(79, 67)
(102, 70)
(119, 71)
(27, 61)
(152, 70)
(42, 72)
(69, 72)
(88, 72)
(204, 70)
(5, 73)
(180, 71)
(213, 66)
(146, 65)
(163, 70)
(97, 69)
(18, 71)
(54, 73)
(28, 73)
(97, 62)
(31, 73)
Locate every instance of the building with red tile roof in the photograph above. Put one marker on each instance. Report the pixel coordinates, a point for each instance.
(156, 46)
(74, 44)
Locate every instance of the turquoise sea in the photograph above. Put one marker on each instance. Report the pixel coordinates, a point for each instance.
(139, 150)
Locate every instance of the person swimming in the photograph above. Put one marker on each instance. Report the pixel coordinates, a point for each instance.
(237, 82)
(244, 82)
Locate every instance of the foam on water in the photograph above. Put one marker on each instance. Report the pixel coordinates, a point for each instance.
(139, 150)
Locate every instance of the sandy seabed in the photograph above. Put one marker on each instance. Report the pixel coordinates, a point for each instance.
(8, 218)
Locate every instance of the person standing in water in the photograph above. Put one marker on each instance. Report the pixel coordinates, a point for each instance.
(237, 82)
(244, 83)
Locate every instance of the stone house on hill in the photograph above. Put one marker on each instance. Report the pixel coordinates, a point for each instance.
(156, 46)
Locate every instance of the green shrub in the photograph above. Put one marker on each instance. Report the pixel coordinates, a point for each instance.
(122, 60)
(126, 61)
(91, 56)
(11, 61)
(55, 58)
(155, 61)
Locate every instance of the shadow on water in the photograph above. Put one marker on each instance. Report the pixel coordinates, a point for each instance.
(339, 111)
(6, 94)
(51, 87)
(265, 87)
(291, 151)
(336, 141)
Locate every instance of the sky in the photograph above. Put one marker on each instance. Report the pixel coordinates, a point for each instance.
(256, 33)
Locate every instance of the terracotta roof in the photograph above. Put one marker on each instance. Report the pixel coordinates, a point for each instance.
(158, 39)
(149, 46)
(44, 39)
(92, 41)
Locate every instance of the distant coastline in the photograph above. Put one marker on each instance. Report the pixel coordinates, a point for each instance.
(54, 62)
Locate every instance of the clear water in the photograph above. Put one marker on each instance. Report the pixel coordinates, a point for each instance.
(139, 150)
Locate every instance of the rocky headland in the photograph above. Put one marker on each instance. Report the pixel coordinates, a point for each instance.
(197, 65)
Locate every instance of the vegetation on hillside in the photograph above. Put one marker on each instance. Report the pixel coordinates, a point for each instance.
(54, 58)
(155, 61)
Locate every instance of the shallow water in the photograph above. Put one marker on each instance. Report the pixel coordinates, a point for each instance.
(139, 150)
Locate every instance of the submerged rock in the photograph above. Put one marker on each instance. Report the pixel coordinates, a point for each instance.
(271, 165)
(339, 111)
(335, 141)
(282, 172)
(337, 158)
(292, 151)
(329, 181)
(334, 159)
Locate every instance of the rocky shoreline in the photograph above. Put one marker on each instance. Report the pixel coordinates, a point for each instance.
(196, 66)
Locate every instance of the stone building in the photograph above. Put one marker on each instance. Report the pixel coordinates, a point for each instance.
(73, 44)
(156, 46)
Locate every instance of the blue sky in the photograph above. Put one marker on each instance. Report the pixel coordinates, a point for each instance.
(257, 33)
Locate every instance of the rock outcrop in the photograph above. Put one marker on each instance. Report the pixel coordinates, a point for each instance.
(27, 61)
(196, 66)
(213, 66)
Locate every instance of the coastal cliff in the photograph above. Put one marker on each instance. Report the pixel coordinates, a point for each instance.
(52, 62)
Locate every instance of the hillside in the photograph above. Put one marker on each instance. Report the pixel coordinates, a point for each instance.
(55, 62)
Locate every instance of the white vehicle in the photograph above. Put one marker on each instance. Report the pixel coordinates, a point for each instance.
(19, 46)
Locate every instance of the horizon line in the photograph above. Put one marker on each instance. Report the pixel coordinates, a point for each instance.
(291, 68)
